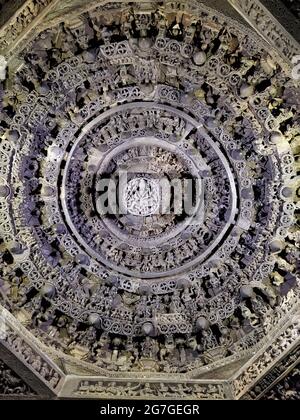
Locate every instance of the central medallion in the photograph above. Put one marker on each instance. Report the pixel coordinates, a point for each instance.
(157, 195)
(142, 197)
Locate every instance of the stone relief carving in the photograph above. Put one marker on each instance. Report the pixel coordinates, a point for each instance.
(26, 14)
(148, 389)
(164, 294)
(267, 26)
(11, 384)
(287, 389)
(281, 344)
(18, 344)
(21, 28)
(268, 383)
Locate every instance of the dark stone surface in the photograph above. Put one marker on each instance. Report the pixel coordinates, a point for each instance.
(11, 384)
(293, 6)
(8, 8)
(285, 12)
(286, 389)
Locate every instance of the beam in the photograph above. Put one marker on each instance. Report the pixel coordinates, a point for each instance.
(269, 28)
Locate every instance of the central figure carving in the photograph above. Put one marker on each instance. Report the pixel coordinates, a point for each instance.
(142, 196)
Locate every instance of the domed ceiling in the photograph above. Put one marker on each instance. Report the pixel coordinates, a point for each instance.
(114, 285)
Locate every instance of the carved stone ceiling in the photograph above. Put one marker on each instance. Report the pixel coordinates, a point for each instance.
(105, 290)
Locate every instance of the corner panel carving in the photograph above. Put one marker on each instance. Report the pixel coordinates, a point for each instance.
(21, 23)
(262, 20)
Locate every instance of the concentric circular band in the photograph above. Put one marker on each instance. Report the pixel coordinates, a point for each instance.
(195, 164)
